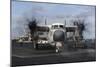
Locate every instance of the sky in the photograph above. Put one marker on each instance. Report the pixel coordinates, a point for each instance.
(52, 13)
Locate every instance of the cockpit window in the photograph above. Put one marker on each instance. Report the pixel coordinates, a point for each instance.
(55, 26)
(61, 26)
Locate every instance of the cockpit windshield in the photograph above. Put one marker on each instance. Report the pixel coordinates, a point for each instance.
(57, 26)
(61, 26)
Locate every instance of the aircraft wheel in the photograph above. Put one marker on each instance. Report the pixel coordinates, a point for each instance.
(35, 46)
(57, 50)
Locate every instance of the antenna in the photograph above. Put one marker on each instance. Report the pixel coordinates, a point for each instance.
(65, 22)
(45, 22)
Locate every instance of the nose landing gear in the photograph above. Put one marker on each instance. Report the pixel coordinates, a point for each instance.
(57, 50)
(59, 46)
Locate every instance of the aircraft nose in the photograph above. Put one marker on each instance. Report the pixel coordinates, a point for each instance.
(58, 35)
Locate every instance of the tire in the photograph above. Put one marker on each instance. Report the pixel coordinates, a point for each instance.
(57, 50)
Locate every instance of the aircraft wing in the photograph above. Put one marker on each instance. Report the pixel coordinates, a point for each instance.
(42, 28)
(70, 29)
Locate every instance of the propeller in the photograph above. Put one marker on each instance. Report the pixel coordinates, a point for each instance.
(82, 26)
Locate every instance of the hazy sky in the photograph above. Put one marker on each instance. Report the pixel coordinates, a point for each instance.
(53, 13)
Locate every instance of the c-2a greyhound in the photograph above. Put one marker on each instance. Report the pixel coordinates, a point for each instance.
(57, 34)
